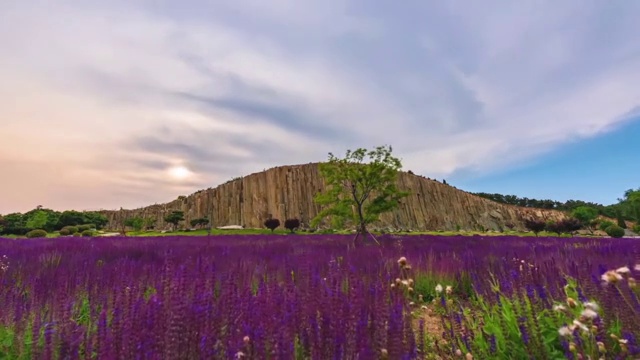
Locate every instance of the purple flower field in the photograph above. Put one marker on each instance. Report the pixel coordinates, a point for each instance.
(310, 297)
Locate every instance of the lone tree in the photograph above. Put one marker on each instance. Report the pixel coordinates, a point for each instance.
(291, 224)
(535, 225)
(272, 224)
(174, 218)
(359, 191)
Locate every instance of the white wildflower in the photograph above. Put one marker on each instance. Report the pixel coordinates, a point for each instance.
(623, 270)
(559, 308)
(405, 283)
(438, 288)
(611, 277)
(565, 331)
(449, 289)
(580, 325)
(637, 267)
(591, 305)
(589, 314)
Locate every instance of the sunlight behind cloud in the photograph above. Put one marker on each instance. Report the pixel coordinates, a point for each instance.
(179, 172)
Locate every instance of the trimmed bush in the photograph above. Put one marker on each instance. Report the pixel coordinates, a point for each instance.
(535, 225)
(77, 234)
(65, 232)
(570, 225)
(615, 231)
(291, 224)
(37, 233)
(87, 233)
(605, 224)
(636, 229)
(272, 224)
(71, 229)
(85, 227)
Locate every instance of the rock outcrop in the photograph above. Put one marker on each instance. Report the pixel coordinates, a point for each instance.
(288, 192)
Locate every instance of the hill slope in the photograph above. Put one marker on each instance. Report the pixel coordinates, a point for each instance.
(288, 191)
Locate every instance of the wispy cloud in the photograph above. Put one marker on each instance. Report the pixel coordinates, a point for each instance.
(98, 99)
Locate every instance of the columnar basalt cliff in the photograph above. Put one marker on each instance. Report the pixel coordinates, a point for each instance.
(288, 191)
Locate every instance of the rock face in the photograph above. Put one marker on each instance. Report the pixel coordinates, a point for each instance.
(288, 192)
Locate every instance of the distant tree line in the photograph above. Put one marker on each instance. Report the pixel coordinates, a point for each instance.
(627, 206)
(49, 220)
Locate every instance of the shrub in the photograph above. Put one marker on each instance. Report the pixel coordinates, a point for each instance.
(85, 227)
(87, 233)
(291, 224)
(535, 225)
(615, 231)
(65, 232)
(71, 229)
(605, 224)
(555, 227)
(272, 224)
(570, 225)
(621, 221)
(37, 233)
(77, 234)
(636, 229)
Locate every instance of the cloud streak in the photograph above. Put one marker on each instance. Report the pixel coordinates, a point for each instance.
(116, 92)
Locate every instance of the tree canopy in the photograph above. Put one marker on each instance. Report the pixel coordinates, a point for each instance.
(360, 187)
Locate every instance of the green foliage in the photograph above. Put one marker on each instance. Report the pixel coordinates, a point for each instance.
(620, 220)
(88, 233)
(150, 223)
(70, 218)
(65, 232)
(604, 224)
(174, 218)
(627, 206)
(636, 229)
(76, 218)
(14, 223)
(95, 218)
(84, 227)
(201, 222)
(37, 220)
(71, 229)
(615, 231)
(359, 191)
(37, 233)
(585, 214)
(137, 223)
(570, 225)
(556, 227)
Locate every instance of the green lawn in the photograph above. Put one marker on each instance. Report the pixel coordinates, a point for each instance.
(202, 232)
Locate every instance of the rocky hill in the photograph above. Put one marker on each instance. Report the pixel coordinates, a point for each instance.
(288, 191)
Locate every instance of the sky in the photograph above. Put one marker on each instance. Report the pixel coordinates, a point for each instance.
(109, 104)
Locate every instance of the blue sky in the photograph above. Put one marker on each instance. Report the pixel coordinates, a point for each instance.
(117, 103)
(598, 169)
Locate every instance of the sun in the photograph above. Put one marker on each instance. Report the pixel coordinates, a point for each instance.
(179, 172)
